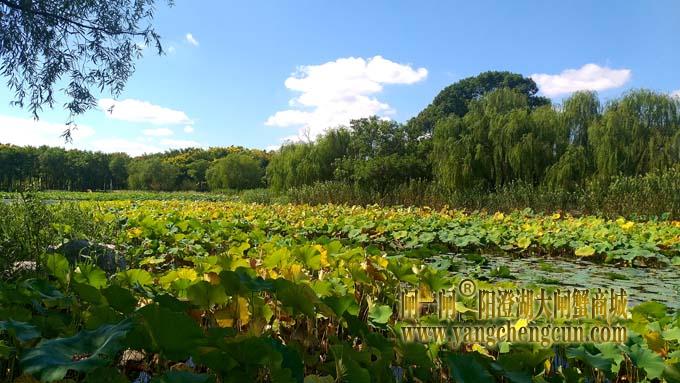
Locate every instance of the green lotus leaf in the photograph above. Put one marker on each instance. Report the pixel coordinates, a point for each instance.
(204, 294)
(134, 276)
(51, 359)
(380, 314)
(175, 335)
(647, 360)
(90, 274)
(465, 368)
(20, 330)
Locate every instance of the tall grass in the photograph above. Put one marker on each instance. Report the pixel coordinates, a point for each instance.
(654, 195)
(29, 225)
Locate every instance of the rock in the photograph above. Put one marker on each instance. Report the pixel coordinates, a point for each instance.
(20, 266)
(131, 356)
(103, 255)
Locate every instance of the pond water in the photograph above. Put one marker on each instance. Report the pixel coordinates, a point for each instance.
(642, 284)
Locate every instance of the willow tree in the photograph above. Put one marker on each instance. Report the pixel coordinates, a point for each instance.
(459, 161)
(235, 171)
(507, 113)
(328, 149)
(571, 170)
(298, 164)
(501, 139)
(574, 163)
(637, 134)
(292, 166)
(581, 110)
(87, 44)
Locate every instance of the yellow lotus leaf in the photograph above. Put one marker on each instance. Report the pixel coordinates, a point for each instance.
(381, 261)
(187, 273)
(556, 216)
(134, 232)
(324, 255)
(226, 317)
(168, 278)
(461, 308)
(655, 342)
(481, 350)
(498, 216)
(524, 242)
(293, 272)
(584, 251)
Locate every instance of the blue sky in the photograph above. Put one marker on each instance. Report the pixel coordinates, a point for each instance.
(255, 73)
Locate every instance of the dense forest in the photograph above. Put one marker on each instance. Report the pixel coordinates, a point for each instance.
(481, 133)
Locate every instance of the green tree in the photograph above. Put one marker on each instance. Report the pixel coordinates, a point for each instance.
(637, 134)
(118, 166)
(152, 174)
(235, 171)
(455, 98)
(54, 171)
(377, 157)
(500, 140)
(571, 170)
(196, 171)
(300, 164)
(581, 110)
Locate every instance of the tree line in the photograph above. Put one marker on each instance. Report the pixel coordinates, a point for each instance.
(481, 133)
(489, 131)
(78, 170)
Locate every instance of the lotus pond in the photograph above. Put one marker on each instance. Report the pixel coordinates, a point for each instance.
(234, 292)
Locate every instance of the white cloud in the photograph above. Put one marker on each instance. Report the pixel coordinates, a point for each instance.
(188, 129)
(272, 148)
(27, 131)
(191, 39)
(142, 111)
(171, 49)
(588, 77)
(676, 93)
(333, 93)
(160, 132)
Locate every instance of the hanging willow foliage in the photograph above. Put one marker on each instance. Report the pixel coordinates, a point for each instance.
(637, 134)
(502, 140)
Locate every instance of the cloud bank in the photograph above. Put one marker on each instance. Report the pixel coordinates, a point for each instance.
(27, 131)
(333, 93)
(588, 77)
(132, 110)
